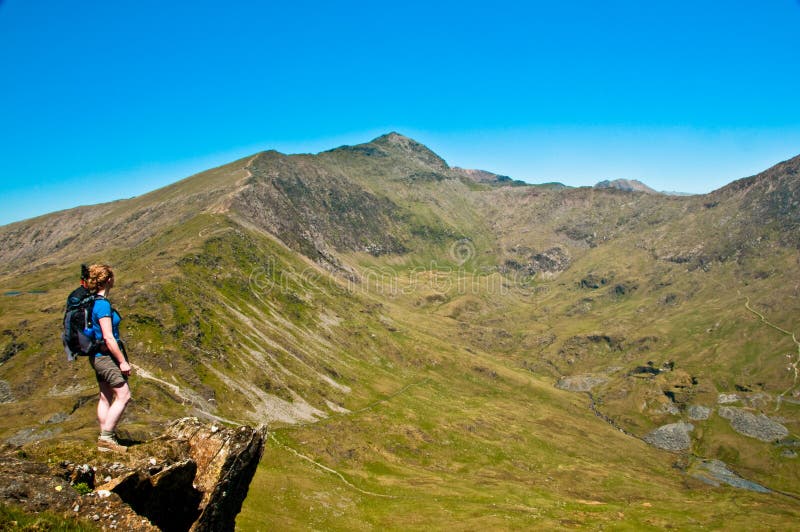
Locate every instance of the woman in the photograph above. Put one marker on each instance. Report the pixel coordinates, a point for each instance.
(110, 364)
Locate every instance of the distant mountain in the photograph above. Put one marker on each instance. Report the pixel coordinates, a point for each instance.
(628, 185)
(410, 325)
(676, 193)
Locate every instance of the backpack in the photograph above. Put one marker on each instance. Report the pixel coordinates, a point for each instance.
(78, 336)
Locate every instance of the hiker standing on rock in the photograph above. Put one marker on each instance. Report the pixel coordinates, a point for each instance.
(110, 363)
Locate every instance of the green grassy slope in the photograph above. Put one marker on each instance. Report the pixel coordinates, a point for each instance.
(401, 329)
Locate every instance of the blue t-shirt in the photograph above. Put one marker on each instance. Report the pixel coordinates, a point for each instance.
(102, 309)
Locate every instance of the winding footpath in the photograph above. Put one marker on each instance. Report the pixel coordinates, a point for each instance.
(345, 414)
(793, 365)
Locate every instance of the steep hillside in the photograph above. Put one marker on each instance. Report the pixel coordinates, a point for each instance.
(770, 200)
(66, 235)
(431, 346)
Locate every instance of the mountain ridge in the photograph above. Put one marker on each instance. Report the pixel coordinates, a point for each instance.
(21, 240)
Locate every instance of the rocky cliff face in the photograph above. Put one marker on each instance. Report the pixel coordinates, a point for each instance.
(194, 476)
(769, 199)
(315, 210)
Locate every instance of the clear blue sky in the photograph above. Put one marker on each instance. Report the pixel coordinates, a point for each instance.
(101, 100)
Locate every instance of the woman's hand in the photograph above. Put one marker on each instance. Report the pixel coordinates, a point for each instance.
(113, 346)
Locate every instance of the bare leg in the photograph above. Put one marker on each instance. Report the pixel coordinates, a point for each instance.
(106, 397)
(111, 415)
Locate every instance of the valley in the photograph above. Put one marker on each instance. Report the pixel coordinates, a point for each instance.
(431, 350)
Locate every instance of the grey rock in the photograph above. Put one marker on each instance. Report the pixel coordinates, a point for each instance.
(58, 417)
(727, 398)
(755, 426)
(788, 453)
(698, 412)
(31, 434)
(672, 437)
(581, 383)
(715, 472)
(5, 392)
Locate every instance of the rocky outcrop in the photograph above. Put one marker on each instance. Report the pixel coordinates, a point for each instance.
(755, 426)
(193, 477)
(35, 487)
(226, 462)
(672, 437)
(677, 385)
(545, 264)
(486, 178)
(317, 211)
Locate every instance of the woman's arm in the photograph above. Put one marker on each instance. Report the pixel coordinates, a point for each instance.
(112, 345)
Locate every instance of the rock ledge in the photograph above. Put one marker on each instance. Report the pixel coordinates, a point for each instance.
(194, 477)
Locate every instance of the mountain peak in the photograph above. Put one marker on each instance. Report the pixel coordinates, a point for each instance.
(406, 146)
(393, 137)
(628, 185)
(394, 143)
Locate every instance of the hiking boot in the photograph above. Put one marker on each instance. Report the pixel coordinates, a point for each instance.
(110, 443)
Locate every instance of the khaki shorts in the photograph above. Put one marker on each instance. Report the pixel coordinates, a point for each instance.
(107, 370)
